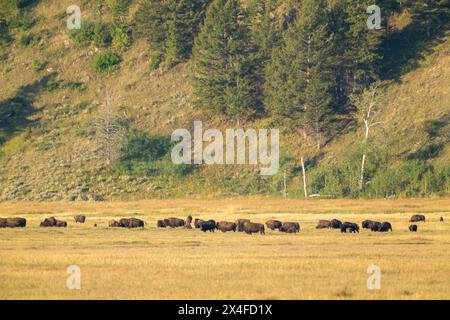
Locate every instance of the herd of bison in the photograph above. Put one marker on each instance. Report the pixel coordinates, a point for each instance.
(240, 225)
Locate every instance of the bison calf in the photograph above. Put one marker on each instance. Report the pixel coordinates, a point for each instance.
(113, 224)
(413, 228)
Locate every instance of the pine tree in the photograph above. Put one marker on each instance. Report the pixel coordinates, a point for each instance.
(362, 45)
(224, 62)
(299, 78)
(170, 26)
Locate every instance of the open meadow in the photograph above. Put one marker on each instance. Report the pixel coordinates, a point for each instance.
(156, 263)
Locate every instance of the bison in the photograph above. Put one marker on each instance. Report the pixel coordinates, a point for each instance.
(209, 225)
(225, 226)
(367, 224)
(197, 223)
(441, 219)
(160, 224)
(323, 224)
(293, 227)
(113, 224)
(376, 226)
(417, 218)
(349, 227)
(250, 228)
(174, 222)
(79, 219)
(61, 224)
(136, 223)
(335, 224)
(189, 219)
(2, 223)
(385, 227)
(13, 223)
(274, 224)
(240, 224)
(413, 228)
(48, 222)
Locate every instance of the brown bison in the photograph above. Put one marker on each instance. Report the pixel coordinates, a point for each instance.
(13, 223)
(240, 224)
(209, 225)
(367, 224)
(293, 227)
(376, 226)
(48, 222)
(79, 219)
(113, 224)
(225, 226)
(250, 228)
(417, 218)
(189, 219)
(197, 223)
(385, 227)
(131, 223)
(160, 224)
(335, 224)
(174, 222)
(441, 219)
(349, 227)
(61, 224)
(274, 224)
(413, 228)
(323, 224)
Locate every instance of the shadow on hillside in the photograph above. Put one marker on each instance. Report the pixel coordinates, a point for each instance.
(404, 49)
(15, 111)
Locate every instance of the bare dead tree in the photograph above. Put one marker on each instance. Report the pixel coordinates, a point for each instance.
(110, 131)
(368, 105)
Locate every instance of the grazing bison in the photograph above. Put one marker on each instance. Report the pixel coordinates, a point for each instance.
(160, 224)
(174, 222)
(367, 224)
(294, 227)
(225, 226)
(413, 228)
(376, 226)
(197, 223)
(209, 225)
(113, 224)
(250, 228)
(349, 227)
(79, 219)
(417, 218)
(240, 224)
(385, 227)
(274, 224)
(323, 224)
(48, 222)
(13, 223)
(336, 224)
(136, 223)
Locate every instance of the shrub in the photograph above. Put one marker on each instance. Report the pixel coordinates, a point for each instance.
(106, 61)
(38, 65)
(27, 39)
(156, 58)
(120, 37)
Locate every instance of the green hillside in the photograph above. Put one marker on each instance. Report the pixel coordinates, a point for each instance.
(57, 87)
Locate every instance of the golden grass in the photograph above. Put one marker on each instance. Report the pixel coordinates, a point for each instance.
(188, 264)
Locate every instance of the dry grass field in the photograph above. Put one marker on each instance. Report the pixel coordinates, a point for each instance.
(189, 264)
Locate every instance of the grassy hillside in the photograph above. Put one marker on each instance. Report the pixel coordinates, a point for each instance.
(50, 93)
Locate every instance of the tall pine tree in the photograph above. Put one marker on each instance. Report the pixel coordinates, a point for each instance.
(299, 79)
(225, 79)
